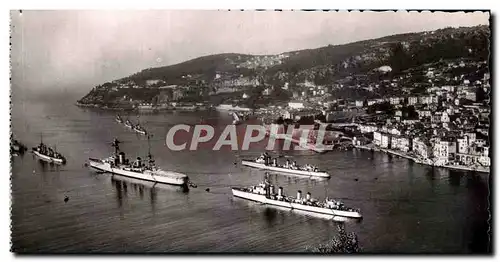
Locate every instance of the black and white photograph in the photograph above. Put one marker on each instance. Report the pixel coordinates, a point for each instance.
(316, 132)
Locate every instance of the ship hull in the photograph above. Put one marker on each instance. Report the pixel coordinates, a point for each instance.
(48, 158)
(285, 170)
(148, 176)
(140, 132)
(295, 206)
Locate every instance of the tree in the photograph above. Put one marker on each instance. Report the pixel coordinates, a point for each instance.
(343, 243)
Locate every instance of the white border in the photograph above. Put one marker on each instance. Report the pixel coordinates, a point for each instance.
(187, 4)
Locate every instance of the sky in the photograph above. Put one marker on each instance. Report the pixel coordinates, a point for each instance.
(80, 49)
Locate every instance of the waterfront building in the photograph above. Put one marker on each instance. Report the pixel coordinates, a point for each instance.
(443, 150)
(401, 143)
(462, 145)
(377, 138)
(421, 148)
(484, 159)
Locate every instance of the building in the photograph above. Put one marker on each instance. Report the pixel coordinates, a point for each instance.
(382, 140)
(395, 100)
(412, 100)
(448, 88)
(425, 100)
(423, 113)
(151, 82)
(177, 94)
(296, 105)
(443, 151)
(484, 159)
(385, 141)
(364, 128)
(470, 95)
(421, 148)
(445, 118)
(471, 137)
(401, 143)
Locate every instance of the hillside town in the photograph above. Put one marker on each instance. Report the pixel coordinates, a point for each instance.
(445, 125)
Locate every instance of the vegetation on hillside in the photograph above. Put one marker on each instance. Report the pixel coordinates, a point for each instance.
(345, 69)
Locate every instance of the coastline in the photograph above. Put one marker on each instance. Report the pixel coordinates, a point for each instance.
(422, 161)
(156, 109)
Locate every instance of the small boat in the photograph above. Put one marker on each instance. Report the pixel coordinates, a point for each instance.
(128, 124)
(264, 193)
(264, 162)
(119, 119)
(139, 129)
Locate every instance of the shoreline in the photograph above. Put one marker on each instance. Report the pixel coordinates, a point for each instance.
(164, 109)
(422, 162)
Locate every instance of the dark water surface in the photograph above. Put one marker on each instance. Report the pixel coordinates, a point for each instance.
(407, 207)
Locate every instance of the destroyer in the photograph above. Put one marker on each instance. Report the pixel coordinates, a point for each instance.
(119, 165)
(264, 162)
(48, 154)
(264, 193)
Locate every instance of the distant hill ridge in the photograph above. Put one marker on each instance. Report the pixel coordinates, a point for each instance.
(357, 57)
(320, 66)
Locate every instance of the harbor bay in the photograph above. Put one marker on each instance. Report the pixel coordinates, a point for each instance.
(406, 207)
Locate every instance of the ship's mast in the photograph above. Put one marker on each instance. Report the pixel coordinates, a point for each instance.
(116, 146)
(151, 161)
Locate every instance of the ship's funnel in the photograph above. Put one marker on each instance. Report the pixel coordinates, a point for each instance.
(268, 160)
(275, 162)
(308, 196)
(280, 191)
(121, 158)
(138, 161)
(271, 189)
(299, 195)
(294, 163)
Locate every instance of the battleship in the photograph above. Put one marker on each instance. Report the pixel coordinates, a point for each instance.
(264, 162)
(118, 164)
(47, 154)
(264, 193)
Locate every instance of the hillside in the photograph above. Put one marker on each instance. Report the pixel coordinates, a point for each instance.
(349, 65)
